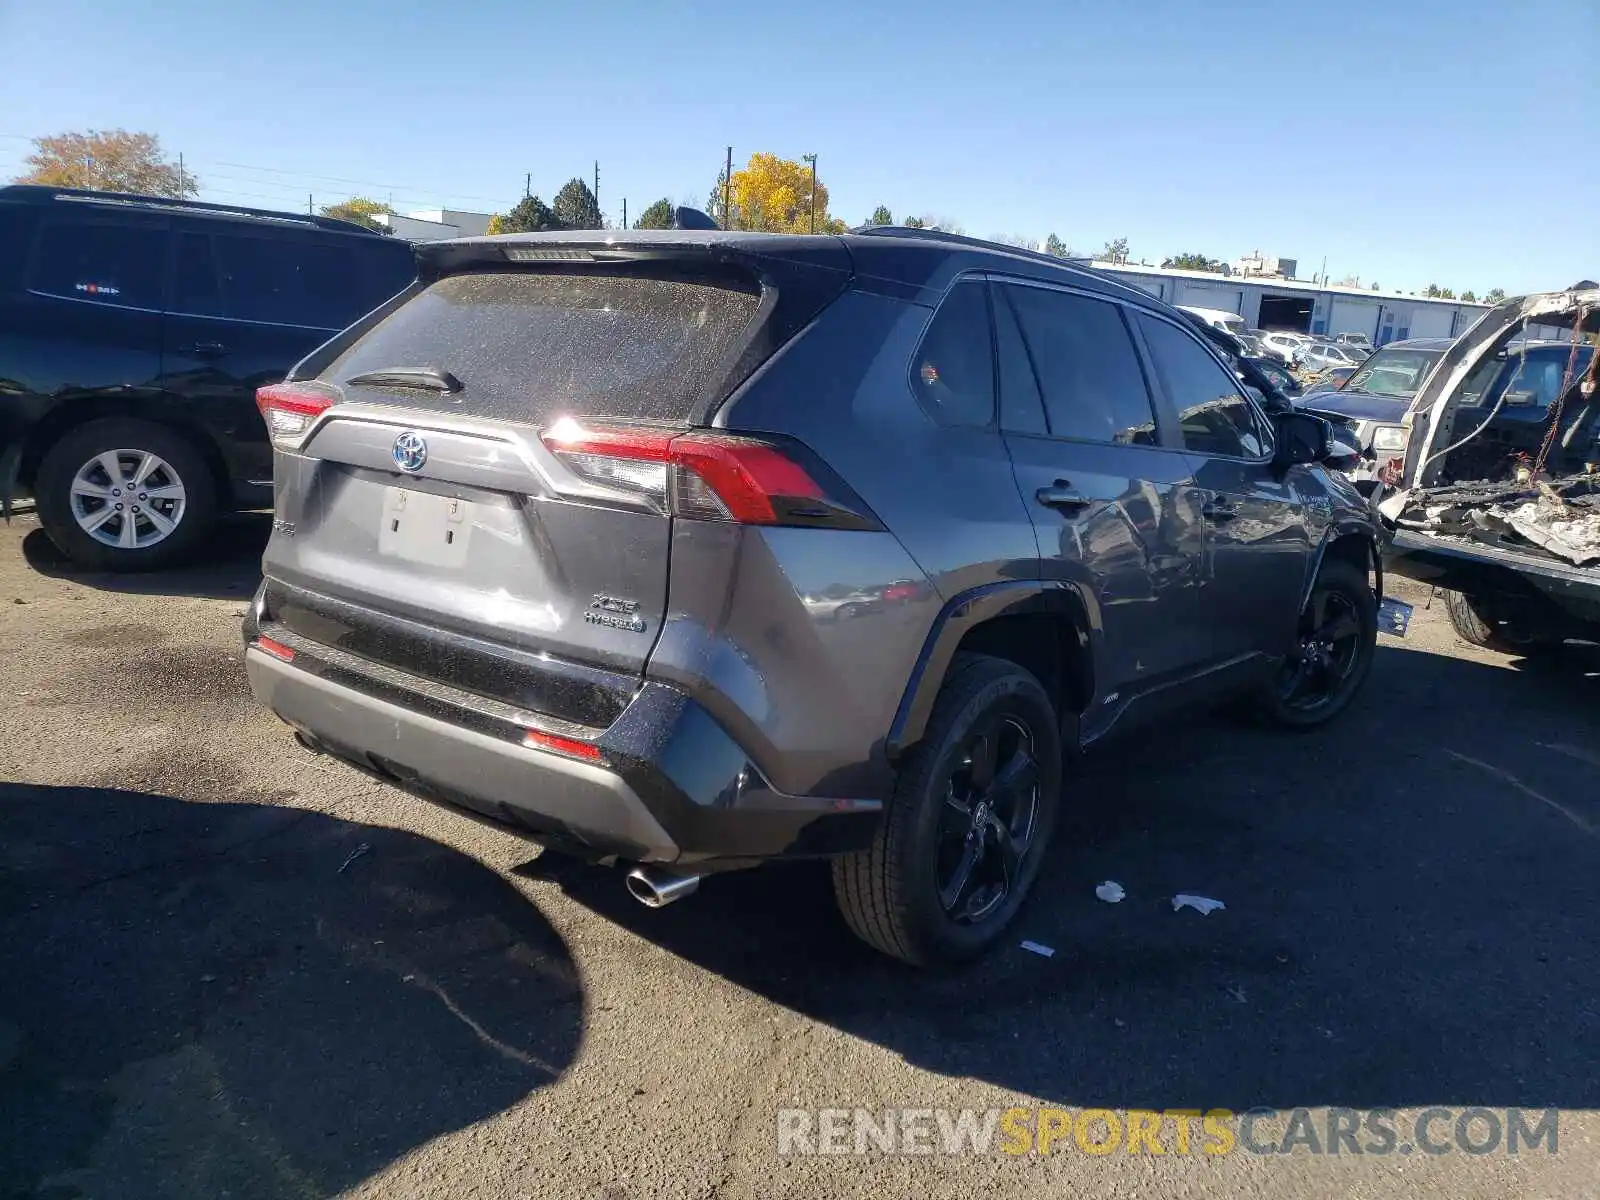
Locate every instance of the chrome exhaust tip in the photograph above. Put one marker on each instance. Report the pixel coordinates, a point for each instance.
(657, 887)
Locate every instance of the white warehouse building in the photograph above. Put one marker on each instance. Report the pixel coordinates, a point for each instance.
(1267, 303)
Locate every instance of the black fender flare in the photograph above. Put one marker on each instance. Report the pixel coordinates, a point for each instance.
(962, 613)
(1345, 527)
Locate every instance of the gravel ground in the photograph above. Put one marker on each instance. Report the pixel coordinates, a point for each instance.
(233, 969)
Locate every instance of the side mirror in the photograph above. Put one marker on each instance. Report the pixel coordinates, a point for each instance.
(1304, 438)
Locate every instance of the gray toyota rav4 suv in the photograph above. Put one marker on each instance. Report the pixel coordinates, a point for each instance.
(689, 550)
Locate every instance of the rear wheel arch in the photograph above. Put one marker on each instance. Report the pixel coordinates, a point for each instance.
(1041, 627)
(64, 418)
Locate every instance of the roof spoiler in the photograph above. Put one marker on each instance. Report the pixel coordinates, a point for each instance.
(684, 217)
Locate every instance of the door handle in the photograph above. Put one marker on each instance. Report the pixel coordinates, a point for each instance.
(1062, 495)
(207, 349)
(1219, 510)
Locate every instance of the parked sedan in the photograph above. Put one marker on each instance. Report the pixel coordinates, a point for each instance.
(1284, 345)
(1323, 356)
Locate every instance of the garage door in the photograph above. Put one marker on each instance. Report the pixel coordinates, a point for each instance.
(1431, 320)
(1353, 316)
(1206, 295)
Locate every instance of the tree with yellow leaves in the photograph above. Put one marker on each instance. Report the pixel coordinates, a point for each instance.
(774, 195)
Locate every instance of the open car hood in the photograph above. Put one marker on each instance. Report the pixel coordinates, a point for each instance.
(1357, 406)
(1432, 413)
(1558, 517)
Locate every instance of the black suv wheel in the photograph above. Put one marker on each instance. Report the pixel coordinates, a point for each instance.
(1477, 623)
(1338, 634)
(123, 494)
(968, 824)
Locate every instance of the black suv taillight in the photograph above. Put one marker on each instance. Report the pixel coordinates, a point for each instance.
(710, 475)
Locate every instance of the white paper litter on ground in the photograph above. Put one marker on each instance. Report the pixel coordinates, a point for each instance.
(1110, 891)
(1036, 948)
(1201, 904)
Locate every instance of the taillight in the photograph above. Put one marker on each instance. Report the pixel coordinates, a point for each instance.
(290, 409)
(709, 475)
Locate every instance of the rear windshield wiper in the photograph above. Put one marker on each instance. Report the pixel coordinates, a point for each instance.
(429, 379)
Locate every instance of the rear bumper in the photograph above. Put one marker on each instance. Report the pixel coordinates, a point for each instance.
(671, 785)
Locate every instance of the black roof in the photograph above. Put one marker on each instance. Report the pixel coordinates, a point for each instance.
(868, 250)
(34, 193)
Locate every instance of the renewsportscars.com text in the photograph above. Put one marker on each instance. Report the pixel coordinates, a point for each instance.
(1046, 1130)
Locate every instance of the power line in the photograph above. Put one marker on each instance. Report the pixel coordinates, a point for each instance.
(369, 183)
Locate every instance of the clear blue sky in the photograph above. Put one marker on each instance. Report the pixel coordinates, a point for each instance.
(1408, 141)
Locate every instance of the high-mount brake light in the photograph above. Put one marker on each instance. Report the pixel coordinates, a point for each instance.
(704, 474)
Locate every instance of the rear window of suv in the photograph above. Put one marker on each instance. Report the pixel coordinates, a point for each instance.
(536, 346)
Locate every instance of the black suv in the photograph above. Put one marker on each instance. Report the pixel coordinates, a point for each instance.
(687, 550)
(134, 333)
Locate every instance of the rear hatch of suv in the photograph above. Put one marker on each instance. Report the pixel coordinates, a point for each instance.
(478, 490)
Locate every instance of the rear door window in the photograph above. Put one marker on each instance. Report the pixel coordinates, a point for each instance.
(954, 369)
(535, 346)
(1214, 415)
(290, 281)
(121, 265)
(195, 290)
(1087, 367)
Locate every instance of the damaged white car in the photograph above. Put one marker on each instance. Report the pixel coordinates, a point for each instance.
(1499, 502)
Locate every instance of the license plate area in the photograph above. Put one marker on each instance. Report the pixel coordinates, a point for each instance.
(1394, 616)
(425, 528)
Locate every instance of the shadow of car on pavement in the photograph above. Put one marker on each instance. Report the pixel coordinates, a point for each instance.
(254, 1001)
(226, 566)
(1410, 904)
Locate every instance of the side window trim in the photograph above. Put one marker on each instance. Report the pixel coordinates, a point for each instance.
(1169, 434)
(1268, 430)
(997, 296)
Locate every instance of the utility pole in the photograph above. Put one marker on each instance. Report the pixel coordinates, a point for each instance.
(727, 192)
(812, 159)
(183, 178)
(308, 204)
(624, 212)
(527, 185)
(597, 183)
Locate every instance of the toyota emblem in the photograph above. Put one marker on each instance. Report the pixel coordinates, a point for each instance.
(410, 451)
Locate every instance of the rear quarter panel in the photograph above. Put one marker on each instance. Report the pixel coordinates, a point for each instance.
(814, 652)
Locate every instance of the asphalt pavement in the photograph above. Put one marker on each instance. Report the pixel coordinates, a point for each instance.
(230, 968)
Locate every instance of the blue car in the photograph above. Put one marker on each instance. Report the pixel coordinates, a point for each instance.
(1523, 380)
(1372, 403)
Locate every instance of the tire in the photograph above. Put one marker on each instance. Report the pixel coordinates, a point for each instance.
(1474, 623)
(889, 893)
(1340, 595)
(188, 499)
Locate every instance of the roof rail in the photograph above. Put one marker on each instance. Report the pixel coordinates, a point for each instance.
(131, 199)
(904, 231)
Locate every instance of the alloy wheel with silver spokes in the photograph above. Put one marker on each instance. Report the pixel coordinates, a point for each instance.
(128, 499)
(988, 819)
